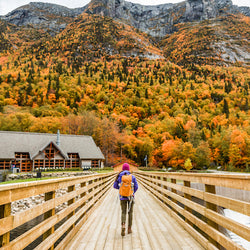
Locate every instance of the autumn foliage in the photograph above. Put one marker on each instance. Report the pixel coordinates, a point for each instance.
(133, 107)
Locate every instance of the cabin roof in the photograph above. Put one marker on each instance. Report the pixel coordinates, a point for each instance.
(11, 142)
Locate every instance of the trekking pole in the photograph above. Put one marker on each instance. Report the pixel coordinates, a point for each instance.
(131, 198)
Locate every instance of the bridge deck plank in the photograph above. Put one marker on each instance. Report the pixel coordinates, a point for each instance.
(152, 228)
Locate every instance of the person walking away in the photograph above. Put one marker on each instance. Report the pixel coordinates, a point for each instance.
(127, 185)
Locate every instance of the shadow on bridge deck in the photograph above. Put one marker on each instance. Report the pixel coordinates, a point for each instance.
(152, 227)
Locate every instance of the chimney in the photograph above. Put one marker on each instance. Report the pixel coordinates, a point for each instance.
(58, 138)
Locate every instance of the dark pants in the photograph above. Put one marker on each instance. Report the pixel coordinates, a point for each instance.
(125, 207)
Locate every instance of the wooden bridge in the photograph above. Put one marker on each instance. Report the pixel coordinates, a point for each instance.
(172, 211)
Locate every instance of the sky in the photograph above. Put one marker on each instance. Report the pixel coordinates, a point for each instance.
(8, 5)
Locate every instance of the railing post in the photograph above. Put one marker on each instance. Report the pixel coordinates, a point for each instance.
(83, 184)
(165, 179)
(151, 179)
(5, 211)
(173, 190)
(102, 180)
(189, 197)
(97, 186)
(96, 180)
(211, 189)
(90, 190)
(160, 185)
(49, 196)
(71, 189)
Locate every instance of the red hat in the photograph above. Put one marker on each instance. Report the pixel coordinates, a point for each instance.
(125, 166)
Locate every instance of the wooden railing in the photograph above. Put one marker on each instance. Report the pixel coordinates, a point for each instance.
(192, 200)
(56, 226)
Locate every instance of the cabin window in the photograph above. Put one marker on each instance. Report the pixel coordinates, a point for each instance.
(59, 163)
(38, 164)
(50, 153)
(95, 163)
(73, 162)
(4, 164)
(23, 161)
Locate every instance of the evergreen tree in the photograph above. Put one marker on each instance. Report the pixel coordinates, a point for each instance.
(105, 68)
(57, 87)
(138, 94)
(225, 109)
(30, 77)
(192, 86)
(171, 105)
(246, 106)
(59, 68)
(124, 66)
(87, 69)
(203, 135)
(79, 80)
(151, 81)
(9, 78)
(29, 89)
(7, 94)
(170, 81)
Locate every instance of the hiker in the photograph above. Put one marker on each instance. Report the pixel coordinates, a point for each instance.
(127, 185)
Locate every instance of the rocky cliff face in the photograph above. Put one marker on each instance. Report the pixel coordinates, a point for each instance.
(200, 9)
(157, 21)
(51, 17)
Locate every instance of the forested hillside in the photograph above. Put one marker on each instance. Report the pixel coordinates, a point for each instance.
(182, 98)
(141, 107)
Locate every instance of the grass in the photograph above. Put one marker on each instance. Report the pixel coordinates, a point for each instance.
(27, 180)
(101, 171)
(104, 171)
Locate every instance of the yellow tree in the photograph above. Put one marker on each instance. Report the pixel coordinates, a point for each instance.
(188, 164)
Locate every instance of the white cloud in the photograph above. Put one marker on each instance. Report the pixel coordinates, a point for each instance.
(9, 5)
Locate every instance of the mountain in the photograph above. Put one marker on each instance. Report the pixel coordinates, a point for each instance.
(156, 21)
(160, 20)
(50, 17)
(193, 31)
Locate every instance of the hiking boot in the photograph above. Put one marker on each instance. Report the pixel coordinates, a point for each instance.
(123, 229)
(129, 230)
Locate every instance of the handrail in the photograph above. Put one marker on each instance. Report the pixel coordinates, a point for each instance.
(82, 197)
(198, 210)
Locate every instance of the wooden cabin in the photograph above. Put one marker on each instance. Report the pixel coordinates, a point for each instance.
(36, 151)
